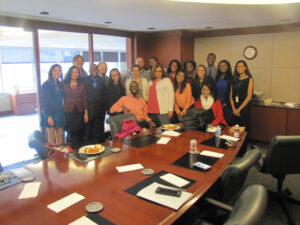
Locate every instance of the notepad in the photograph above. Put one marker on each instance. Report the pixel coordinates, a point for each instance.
(65, 202)
(173, 179)
(129, 167)
(171, 133)
(212, 154)
(166, 200)
(83, 221)
(163, 140)
(30, 190)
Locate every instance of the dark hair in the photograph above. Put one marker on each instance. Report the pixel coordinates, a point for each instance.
(68, 75)
(211, 87)
(178, 66)
(135, 65)
(236, 75)
(153, 72)
(211, 53)
(111, 82)
(155, 59)
(50, 78)
(190, 61)
(183, 84)
(228, 74)
(92, 67)
(76, 57)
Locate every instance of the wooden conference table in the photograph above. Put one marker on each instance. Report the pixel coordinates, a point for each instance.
(99, 181)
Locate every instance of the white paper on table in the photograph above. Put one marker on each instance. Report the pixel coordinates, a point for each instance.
(211, 129)
(65, 202)
(163, 140)
(83, 221)
(171, 133)
(30, 190)
(131, 167)
(212, 154)
(21, 172)
(173, 179)
(166, 200)
(229, 138)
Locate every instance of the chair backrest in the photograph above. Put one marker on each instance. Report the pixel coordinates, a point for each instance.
(115, 122)
(233, 178)
(249, 207)
(37, 141)
(283, 156)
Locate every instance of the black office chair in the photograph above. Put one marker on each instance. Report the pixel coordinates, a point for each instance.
(248, 209)
(37, 141)
(282, 158)
(115, 122)
(232, 180)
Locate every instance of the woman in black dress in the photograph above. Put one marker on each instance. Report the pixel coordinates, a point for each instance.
(115, 88)
(241, 94)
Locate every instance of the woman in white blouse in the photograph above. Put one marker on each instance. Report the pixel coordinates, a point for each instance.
(142, 82)
(161, 97)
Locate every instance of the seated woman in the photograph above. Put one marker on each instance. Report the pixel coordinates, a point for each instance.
(207, 107)
(199, 78)
(183, 95)
(115, 88)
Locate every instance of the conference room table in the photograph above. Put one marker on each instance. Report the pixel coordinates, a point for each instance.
(99, 181)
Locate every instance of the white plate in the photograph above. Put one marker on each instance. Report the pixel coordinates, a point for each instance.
(165, 127)
(82, 149)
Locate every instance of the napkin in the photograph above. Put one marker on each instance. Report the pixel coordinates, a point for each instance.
(171, 133)
(173, 179)
(65, 202)
(163, 140)
(83, 221)
(30, 190)
(129, 167)
(212, 154)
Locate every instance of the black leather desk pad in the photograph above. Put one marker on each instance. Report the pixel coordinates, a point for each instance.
(155, 178)
(188, 160)
(215, 142)
(98, 219)
(141, 141)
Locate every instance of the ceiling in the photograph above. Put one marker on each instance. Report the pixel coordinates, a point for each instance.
(139, 15)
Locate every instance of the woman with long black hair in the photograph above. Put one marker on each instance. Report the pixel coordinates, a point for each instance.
(173, 68)
(115, 89)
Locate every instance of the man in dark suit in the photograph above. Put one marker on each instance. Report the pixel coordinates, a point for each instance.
(95, 91)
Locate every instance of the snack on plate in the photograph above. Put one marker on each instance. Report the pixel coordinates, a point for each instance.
(98, 146)
(93, 150)
(170, 126)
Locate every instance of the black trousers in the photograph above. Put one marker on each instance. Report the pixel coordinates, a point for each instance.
(94, 130)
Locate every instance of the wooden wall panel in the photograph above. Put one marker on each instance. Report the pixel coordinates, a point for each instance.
(293, 122)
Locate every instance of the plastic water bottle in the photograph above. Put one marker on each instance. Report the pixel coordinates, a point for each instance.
(218, 131)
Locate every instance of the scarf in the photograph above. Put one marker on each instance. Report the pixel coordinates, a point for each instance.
(207, 103)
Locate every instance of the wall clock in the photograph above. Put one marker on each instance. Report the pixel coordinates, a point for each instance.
(250, 52)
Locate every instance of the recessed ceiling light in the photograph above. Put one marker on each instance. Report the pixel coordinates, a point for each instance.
(45, 13)
(241, 2)
(107, 22)
(151, 28)
(208, 27)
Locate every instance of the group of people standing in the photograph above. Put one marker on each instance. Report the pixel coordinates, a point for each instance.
(156, 96)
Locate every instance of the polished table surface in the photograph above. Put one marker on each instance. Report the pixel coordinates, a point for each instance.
(99, 181)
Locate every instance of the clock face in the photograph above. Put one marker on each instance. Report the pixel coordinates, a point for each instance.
(250, 52)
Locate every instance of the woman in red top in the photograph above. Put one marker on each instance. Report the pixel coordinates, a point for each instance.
(75, 106)
(213, 107)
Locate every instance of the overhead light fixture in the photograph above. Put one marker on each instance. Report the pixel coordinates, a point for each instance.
(45, 13)
(208, 27)
(107, 22)
(151, 28)
(241, 2)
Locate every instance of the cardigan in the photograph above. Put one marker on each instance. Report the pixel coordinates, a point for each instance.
(74, 98)
(217, 111)
(48, 98)
(165, 95)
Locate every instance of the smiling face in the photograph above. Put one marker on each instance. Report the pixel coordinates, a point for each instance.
(152, 62)
(56, 73)
(94, 70)
(75, 74)
(78, 62)
(201, 72)
(223, 67)
(134, 88)
(180, 77)
(158, 73)
(205, 91)
(241, 68)
(136, 72)
(174, 67)
(115, 76)
(140, 62)
(102, 68)
(189, 67)
(211, 60)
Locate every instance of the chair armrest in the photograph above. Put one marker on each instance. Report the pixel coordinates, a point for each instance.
(259, 164)
(218, 204)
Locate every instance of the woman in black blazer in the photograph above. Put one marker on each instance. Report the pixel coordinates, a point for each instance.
(52, 104)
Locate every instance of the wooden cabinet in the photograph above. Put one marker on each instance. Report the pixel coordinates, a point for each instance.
(267, 122)
(24, 103)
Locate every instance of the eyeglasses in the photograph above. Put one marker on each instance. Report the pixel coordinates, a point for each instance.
(158, 71)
